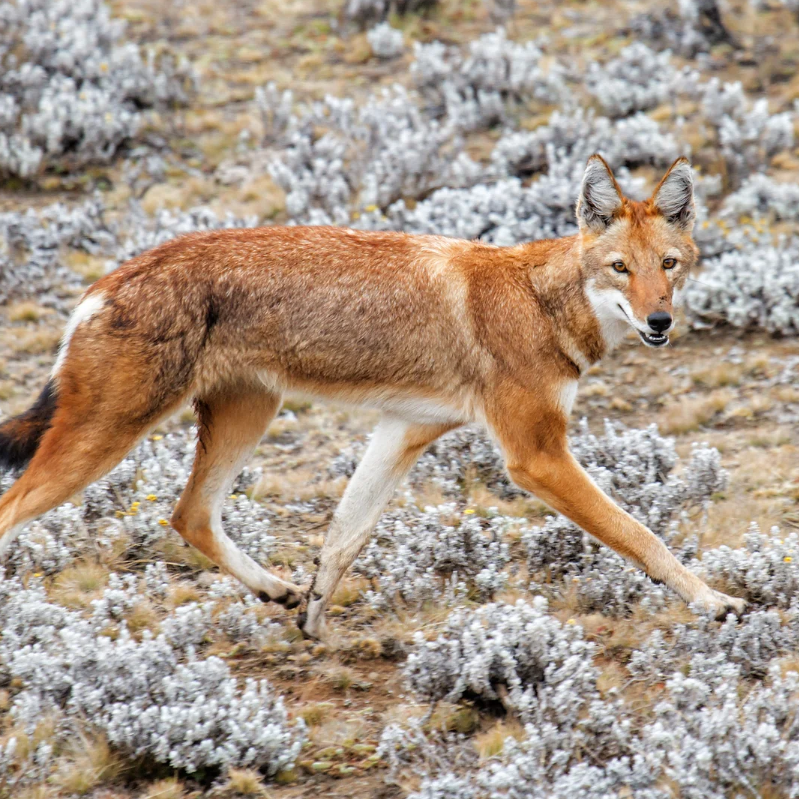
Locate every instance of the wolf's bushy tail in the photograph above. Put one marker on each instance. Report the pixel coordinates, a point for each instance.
(20, 436)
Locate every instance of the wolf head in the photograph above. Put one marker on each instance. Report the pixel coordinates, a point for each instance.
(636, 256)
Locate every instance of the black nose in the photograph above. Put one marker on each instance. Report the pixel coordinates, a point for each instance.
(659, 321)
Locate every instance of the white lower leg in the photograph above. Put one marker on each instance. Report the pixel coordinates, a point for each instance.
(384, 465)
(265, 585)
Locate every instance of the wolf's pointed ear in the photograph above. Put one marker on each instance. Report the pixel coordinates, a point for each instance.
(674, 196)
(600, 197)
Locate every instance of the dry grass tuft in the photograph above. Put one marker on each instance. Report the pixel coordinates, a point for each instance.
(316, 714)
(171, 788)
(454, 718)
(183, 593)
(26, 312)
(719, 375)
(172, 549)
(77, 585)
(491, 743)
(36, 342)
(341, 678)
(690, 414)
(88, 762)
(243, 782)
(349, 591)
(142, 616)
(298, 485)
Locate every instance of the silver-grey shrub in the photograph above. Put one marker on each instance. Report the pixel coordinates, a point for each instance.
(364, 12)
(636, 468)
(385, 41)
(515, 654)
(32, 244)
(710, 736)
(143, 232)
(765, 570)
(473, 88)
(691, 28)
(71, 89)
(747, 133)
(639, 79)
(141, 694)
(437, 554)
(763, 198)
(336, 158)
(507, 211)
(754, 287)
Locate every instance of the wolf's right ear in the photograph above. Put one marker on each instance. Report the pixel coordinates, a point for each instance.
(600, 197)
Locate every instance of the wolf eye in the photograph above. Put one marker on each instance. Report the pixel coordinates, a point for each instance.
(669, 263)
(619, 266)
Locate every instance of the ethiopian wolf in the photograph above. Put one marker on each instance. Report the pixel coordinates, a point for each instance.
(435, 332)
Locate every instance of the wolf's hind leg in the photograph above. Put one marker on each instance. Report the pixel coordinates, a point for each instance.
(231, 425)
(79, 447)
(392, 452)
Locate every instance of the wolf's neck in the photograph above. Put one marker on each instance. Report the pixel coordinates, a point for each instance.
(561, 292)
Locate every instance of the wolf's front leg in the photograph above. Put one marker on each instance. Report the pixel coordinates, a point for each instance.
(392, 451)
(538, 460)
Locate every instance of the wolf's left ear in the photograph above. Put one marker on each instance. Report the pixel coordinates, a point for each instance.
(600, 196)
(674, 196)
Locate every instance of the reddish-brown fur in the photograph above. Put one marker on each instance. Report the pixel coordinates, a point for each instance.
(436, 332)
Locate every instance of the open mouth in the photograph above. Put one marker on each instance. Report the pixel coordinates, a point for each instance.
(650, 339)
(654, 339)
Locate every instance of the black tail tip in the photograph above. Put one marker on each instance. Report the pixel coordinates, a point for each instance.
(20, 436)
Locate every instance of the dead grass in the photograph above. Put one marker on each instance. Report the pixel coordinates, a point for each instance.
(182, 593)
(142, 616)
(89, 267)
(317, 713)
(171, 788)
(26, 312)
(449, 717)
(482, 499)
(88, 762)
(172, 549)
(718, 375)
(7, 389)
(690, 414)
(341, 678)
(299, 485)
(349, 591)
(243, 782)
(35, 342)
(491, 742)
(77, 585)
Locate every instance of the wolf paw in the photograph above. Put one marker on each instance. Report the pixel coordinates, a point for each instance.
(718, 605)
(289, 597)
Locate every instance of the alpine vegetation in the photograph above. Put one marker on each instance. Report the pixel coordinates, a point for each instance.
(385, 41)
(748, 135)
(31, 247)
(435, 555)
(765, 570)
(516, 655)
(71, 89)
(755, 287)
(189, 715)
(338, 157)
(485, 647)
(635, 467)
(706, 734)
(692, 28)
(474, 88)
(639, 79)
(366, 11)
